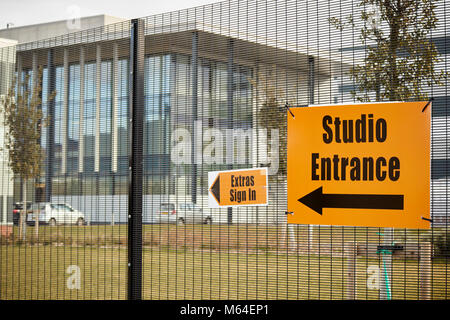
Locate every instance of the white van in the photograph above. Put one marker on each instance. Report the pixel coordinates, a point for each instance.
(55, 213)
(182, 212)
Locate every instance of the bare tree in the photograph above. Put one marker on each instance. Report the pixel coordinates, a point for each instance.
(23, 120)
(271, 112)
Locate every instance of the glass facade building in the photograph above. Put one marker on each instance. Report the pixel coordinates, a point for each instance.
(80, 128)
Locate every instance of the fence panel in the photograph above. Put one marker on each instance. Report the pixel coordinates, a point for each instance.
(210, 95)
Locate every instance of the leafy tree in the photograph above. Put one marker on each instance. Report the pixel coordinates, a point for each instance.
(400, 59)
(23, 120)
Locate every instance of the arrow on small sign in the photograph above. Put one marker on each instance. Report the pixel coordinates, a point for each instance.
(317, 200)
(215, 189)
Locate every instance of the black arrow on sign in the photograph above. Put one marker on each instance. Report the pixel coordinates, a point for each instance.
(317, 200)
(215, 189)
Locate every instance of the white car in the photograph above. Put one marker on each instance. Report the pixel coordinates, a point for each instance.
(55, 213)
(182, 212)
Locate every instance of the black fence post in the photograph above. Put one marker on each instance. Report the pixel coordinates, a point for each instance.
(194, 113)
(230, 111)
(51, 86)
(137, 47)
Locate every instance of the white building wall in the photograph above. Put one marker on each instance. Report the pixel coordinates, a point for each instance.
(7, 63)
(48, 30)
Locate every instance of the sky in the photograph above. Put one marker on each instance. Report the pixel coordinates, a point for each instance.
(26, 12)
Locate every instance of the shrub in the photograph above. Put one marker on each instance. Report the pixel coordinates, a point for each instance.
(441, 243)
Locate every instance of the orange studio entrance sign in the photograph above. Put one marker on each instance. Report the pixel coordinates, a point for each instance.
(232, 188)
(360, 165)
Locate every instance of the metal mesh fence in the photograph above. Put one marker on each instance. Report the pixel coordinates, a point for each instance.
(138, 112)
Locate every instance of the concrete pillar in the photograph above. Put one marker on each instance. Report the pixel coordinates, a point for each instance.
(81, 123)
(34, 68)
(65, 111)
(35, 71)
(19, 72)
(50, 159)
(97, 106)
(114, 127)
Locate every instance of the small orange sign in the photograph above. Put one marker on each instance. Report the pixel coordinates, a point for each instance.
(360, 165)
(232, 188)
